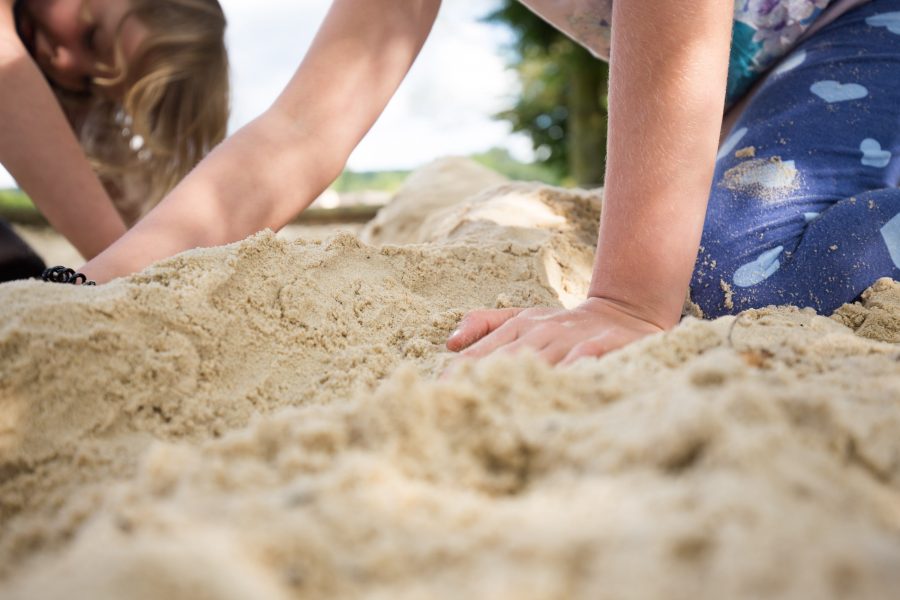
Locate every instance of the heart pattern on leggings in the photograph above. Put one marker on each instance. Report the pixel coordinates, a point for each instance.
(834, 91)
(760, 269)
(890, 20)
(873, 155)
(790, 63)
(890, 233)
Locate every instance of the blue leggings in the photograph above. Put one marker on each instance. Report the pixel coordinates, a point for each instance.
(805, 208)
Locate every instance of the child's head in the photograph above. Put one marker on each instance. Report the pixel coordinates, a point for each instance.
(144, 82)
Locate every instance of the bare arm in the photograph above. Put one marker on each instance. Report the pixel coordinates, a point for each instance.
(667, 99)
(667, 88)
(277, 165)
(40, 150)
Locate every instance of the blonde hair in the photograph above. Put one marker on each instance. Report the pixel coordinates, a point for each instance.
(174, 108)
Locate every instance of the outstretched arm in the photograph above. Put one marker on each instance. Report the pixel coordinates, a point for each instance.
(38, 147)
(277, 165)
(668, 70)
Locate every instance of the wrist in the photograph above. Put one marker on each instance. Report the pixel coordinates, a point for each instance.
(116, 261)
(624, 313)
(644, 261)
(664, 313)
(66, 275)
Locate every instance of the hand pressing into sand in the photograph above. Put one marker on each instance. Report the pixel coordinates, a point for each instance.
(595, 327)
(666, 98)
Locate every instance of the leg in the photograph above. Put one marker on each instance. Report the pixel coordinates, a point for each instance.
(804, 197)
(17, 259)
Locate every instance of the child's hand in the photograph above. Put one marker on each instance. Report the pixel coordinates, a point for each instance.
(666, 95)
(595, 327)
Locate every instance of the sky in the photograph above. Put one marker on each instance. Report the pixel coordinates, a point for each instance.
(444, 107)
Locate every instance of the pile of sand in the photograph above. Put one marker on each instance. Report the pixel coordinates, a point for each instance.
(263, 421)
(437, 186)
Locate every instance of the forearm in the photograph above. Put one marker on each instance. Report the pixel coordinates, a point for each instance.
(667, 89)
(40, 150)
(261, 178)
(276, 166)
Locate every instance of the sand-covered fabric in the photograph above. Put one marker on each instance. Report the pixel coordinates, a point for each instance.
(265, 420)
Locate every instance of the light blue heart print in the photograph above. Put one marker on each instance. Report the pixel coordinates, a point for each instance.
(809, 217)
(890, 20)
(891, 234)
(873, 155)
(731, 143)
(790, 63)
(760, 269)
(835, 91)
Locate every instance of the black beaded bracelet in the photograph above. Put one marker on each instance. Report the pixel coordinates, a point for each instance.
(65, 275)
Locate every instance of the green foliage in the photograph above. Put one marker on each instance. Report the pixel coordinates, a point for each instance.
(363, 181)
(497, 159)
(14, 204)
(16, 207)
(501, 161)
(15, 200)
(562, 107)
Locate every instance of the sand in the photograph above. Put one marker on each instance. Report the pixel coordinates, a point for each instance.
(433, 188)
(265, 420)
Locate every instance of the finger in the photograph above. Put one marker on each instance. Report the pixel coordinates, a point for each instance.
(478, 324)
(555, 352)
(499, 337)
(505, 334)
(534, 340)
(594, 347)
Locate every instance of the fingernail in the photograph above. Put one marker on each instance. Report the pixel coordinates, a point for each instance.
(455, 333)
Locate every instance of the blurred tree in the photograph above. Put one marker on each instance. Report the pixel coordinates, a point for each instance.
(500, 160)
(563, 106)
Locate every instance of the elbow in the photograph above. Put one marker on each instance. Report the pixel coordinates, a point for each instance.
(311, 158)
(11, 47)
(11, 50)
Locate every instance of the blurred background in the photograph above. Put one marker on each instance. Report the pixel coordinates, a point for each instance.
(493, 83)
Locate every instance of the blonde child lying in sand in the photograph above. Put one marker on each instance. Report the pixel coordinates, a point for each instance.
(669, 75)
(70, 71)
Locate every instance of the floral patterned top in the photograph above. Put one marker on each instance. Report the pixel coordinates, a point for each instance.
(764, 31)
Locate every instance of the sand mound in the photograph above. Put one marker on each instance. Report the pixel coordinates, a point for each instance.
(262, 420)
(560, 224)
(200, 344)
(878, 315)
(436, 186)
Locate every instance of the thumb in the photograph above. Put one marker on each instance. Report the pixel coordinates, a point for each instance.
(478, 324)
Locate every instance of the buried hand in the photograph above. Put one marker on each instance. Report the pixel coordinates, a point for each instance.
(593, 328)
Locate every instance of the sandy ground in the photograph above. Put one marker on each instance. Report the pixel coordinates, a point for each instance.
(56, 250)
(265, 420)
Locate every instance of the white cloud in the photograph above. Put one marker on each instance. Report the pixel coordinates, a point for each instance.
(446, 103)
(444, 106)
(266, 41)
